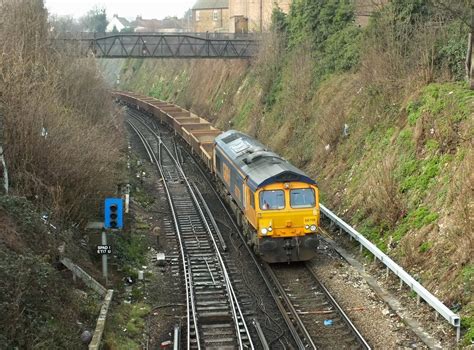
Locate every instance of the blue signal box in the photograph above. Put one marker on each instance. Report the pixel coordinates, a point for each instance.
(113, 213)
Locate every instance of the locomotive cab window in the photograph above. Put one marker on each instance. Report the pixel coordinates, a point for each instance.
(251, 198)
(271, 200)
(302, 198)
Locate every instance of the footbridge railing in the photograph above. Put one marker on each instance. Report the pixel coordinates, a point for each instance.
(160, 45)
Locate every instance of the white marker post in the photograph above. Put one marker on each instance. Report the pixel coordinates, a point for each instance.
(127, 198)
(104, 259)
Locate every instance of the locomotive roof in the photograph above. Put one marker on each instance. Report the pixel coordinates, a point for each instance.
(261, 165)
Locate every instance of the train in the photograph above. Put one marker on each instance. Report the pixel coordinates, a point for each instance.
(275, 204)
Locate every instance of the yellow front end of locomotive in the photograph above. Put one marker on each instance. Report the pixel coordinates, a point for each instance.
(287, 210)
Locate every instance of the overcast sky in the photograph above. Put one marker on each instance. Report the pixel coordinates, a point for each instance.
(124, 8)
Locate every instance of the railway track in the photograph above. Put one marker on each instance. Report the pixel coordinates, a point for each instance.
(312, 315)
(318, 318)
(214, 316)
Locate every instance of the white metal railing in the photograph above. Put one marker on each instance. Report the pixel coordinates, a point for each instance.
(421, 291)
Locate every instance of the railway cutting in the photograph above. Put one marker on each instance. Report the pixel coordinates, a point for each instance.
(211, 300)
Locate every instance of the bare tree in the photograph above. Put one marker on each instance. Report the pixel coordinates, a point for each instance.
(63, 24)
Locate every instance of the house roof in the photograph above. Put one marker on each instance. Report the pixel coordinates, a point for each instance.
(260, 165)
(156, 24)
(122, 20)
(211, 4)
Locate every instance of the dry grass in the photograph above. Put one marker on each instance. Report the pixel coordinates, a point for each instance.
(382, 195)
(461, 195)
(67, 171)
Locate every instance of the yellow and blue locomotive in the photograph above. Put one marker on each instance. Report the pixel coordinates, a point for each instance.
(276, 203)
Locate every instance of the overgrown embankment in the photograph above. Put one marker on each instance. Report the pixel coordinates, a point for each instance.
(61, 147)
(41, 306)
(380, 116)
(61, 141)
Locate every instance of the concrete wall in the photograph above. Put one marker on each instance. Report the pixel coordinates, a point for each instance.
(206, 21)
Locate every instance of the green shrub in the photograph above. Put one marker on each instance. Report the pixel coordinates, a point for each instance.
(425, 246)
(279, 21)
(131, 249)
(451, 49)
(405, 139)
(414, 112)
(329, 27)
(467, 323)
(415, 219)
(432, 145)
(341, 52)
(241, 119)
(276, 87)
(126, 327)
(39, 309)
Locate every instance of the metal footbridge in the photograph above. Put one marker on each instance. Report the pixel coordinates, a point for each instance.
(159, 45)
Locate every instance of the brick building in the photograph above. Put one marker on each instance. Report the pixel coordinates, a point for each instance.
(242, 16)
(253, 15)
(211, 16)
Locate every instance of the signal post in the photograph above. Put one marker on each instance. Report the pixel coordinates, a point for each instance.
(113, 220)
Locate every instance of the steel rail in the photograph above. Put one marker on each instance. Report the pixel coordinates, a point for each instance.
(434, 302)
(297, 319)
(233, 301)
(188, 285)
(267, 282)
(339, 310)
(143, 141)
(291, 308)
(261, 335)
(211, 217)
(235, 307)
(343, 315)
(193, 308)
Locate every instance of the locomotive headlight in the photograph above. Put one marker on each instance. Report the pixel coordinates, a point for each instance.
(307, 227)
(264, 231)
(270, 229)
(312, 228)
